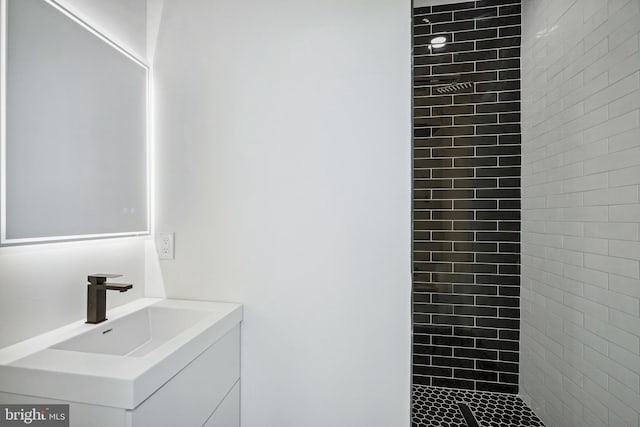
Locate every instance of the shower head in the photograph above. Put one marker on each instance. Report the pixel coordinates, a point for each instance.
(455, 87)
(444, 84)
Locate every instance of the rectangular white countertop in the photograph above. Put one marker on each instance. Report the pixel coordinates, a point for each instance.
(33, 368)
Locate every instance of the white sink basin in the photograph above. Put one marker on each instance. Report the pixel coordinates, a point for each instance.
(135, 334)
(119, 362)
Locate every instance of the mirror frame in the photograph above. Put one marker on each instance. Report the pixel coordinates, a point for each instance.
(4, 241)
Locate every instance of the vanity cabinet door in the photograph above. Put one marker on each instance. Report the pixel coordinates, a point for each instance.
(80, 414)
(227, 414)
(189, 398)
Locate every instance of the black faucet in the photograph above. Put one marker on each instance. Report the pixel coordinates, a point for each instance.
(97, 295)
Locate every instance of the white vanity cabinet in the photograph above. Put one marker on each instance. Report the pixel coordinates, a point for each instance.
(189, 377)
(207, 389)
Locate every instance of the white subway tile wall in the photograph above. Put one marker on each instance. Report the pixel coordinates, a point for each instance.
(580, 296)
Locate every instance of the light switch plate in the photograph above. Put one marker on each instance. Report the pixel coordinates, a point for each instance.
(164, 245)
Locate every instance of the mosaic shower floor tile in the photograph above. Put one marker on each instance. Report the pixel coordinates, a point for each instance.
(438, 407)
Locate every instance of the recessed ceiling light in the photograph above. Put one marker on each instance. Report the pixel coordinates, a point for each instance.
(438, 41)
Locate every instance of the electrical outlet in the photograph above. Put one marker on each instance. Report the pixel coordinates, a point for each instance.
(164, 245)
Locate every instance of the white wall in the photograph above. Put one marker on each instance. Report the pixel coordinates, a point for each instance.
(43, 286)
(580, 344)
(284, 168)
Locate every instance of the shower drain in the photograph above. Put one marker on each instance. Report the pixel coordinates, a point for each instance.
(468, 415)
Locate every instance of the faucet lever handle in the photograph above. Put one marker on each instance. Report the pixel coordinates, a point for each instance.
(100, 278)
(122, 287)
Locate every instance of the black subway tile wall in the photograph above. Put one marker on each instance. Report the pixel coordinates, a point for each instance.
(466, 192)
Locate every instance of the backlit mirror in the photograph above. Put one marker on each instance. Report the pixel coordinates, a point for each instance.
(74, 143)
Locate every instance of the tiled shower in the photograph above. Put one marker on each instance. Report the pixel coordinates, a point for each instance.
(526, 157)
(467, 196)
